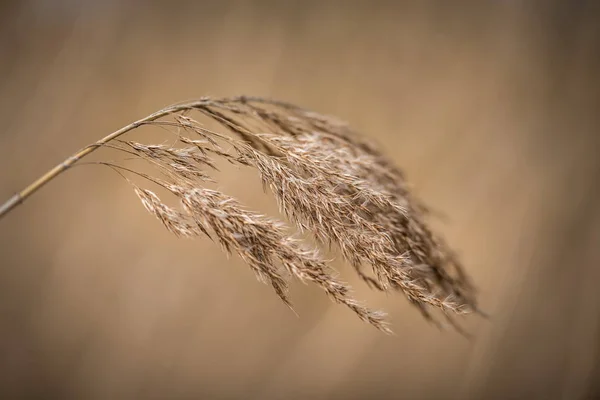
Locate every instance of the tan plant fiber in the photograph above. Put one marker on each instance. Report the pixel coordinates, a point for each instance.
(327, 181)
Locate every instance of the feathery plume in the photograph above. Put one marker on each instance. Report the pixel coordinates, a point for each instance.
(327, 181)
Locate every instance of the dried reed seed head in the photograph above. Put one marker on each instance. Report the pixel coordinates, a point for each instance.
(327, 181)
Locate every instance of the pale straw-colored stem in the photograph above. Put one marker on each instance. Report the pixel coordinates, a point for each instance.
(19, 197)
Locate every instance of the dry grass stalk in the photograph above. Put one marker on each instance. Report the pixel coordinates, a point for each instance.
(327, 181)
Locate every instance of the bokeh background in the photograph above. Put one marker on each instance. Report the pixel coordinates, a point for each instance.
(491, 107)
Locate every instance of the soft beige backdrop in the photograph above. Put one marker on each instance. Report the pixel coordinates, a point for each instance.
(489, 106)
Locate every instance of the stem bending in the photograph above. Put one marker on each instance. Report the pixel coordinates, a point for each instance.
(20, 197)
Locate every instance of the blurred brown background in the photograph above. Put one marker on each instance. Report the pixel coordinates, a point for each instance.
(491, 107)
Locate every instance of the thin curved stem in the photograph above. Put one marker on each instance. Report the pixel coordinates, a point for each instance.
(21, 196)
